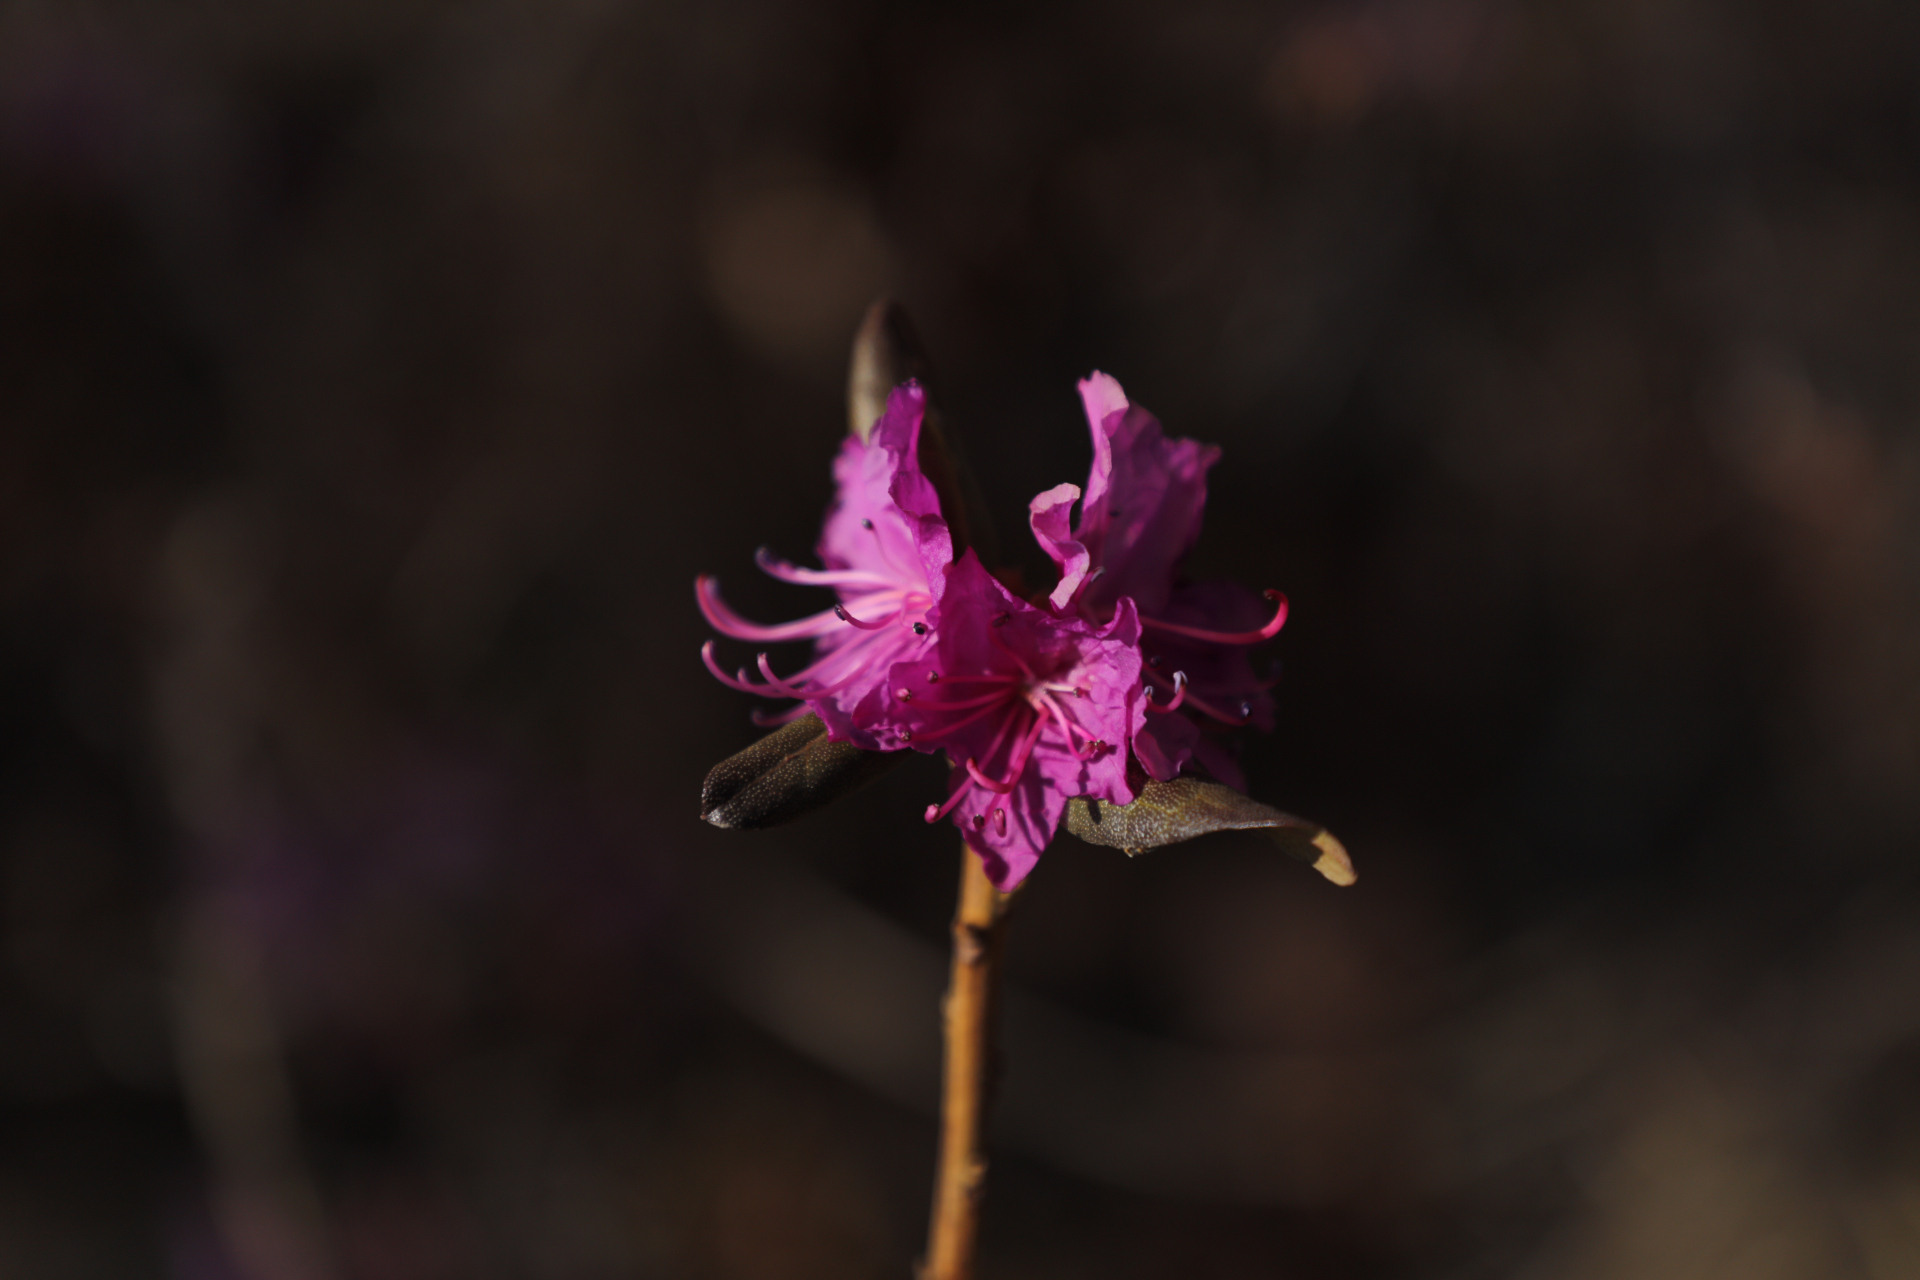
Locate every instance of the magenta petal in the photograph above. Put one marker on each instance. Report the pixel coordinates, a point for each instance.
(867, 528)
(885, 549)
(1009, 846)
(1165, 743)
(1103, 399)
(1044, 706)
(1101, 395)
(1213, 756)
(1144, 501)
(1049, 515)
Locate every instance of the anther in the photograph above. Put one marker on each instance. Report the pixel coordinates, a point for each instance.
(1246, 709)
(933, 677)
(919, 628)
(1154, 661)
(1000, 821)
(906, 735)
(1000, 619)
(979, 821)
(905, 695)
(866, 524)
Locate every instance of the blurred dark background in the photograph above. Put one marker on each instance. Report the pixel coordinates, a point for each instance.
(375, 378)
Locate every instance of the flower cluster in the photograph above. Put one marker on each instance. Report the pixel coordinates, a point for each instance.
(1040, 701)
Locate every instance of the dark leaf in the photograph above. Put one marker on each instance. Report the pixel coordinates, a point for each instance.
(1169, 812)
(790, 772)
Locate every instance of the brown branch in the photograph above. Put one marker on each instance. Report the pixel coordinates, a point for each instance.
(979, 928)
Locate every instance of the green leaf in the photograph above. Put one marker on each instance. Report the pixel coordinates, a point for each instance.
(1169, 812)
(788, 774)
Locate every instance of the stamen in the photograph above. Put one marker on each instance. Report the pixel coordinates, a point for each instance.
(1001, 645)
(840, 612)
(935, 812)
(973, 771)
(997, 702)
(1179, 695)
(1229, 637)
(1018, 764)
(774, 567)
(979, 821)
(963, 704)
(776, 687)
(737, 681)
(1160, 681)
(1000, 820)
(1202, 705)
(1044, 700)
(842, 657)
(919, 628)
(706, 590)
(905, 695)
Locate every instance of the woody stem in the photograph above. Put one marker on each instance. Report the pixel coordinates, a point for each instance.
(979, 928)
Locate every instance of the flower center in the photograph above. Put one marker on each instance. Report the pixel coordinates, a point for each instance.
(1023, 708)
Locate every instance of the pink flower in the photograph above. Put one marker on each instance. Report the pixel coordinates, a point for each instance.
(1036, 707)
(886, 550)
(1039, 703)
(1140, 516)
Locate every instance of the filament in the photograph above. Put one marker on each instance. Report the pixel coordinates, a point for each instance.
(1179, 695)
(1267, 632)
(774, 567)
(706, 590)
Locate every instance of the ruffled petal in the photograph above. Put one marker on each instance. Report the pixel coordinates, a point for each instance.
(869, 527)
(1049, 515)
(1164, 744)
(1145, 498)
(1009, 846)
(1044, 707)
